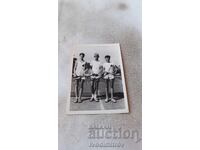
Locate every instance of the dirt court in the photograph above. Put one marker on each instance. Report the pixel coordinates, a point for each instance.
(101, 105)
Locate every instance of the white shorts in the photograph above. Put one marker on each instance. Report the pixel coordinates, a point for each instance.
(79, 77)
(109, 76)
(95, 76)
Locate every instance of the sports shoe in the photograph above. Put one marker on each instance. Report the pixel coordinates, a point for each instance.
(79, 101)
(106, 100)
(92, 98)
(113, 100)
(76, 101)
(95, 98)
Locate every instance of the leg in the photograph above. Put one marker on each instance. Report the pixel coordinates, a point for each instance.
(107, 90)
(97, 87)
(92, 89)
(76, 90)
(81, 90)
(96, 90)
(112, 90)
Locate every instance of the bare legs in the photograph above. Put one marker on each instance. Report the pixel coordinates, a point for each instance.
(78, 92)
(81, 90)
(112, 90)
(107, 89)
(94, 89)
(111, 82)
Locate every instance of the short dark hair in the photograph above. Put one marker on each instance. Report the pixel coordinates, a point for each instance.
(107, 56)
(96, 54)
(82, 54)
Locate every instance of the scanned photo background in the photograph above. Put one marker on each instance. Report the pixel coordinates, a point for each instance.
(99, 22)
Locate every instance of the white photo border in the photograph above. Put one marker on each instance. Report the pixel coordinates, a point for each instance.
(116, 111)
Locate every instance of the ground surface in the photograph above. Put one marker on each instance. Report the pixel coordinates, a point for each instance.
(101, 105)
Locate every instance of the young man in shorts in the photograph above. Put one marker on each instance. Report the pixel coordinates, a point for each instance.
(79, 75)
(109, 77)
(95, 77)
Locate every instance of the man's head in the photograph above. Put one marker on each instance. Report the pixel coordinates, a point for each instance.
(81, 56)
(96, 56)
(107, 58)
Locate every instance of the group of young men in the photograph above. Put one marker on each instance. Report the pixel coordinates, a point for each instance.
(97, 70)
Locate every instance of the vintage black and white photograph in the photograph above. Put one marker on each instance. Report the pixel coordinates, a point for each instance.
(97, 80)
